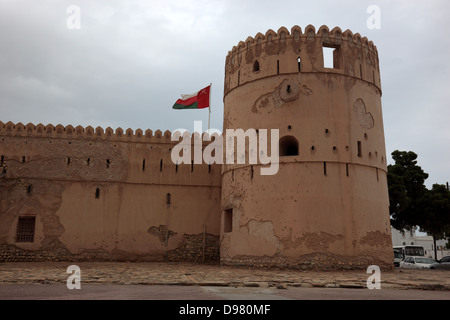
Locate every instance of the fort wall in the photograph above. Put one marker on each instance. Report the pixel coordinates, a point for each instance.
(104, 195)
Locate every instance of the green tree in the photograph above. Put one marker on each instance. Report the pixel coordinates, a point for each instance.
(435, 219)
(406, 187)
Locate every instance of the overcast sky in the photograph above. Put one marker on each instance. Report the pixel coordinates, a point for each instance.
(131, 60)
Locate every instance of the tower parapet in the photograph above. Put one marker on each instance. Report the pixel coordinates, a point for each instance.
(285, 52)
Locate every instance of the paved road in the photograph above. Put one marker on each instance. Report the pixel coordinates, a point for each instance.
(185, 274)
(168, 292)
(170, 288)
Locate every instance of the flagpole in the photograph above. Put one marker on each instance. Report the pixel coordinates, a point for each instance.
(209, 116)
(209, 112)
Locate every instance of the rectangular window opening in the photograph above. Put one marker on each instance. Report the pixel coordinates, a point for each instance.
(2, 160)
(23, 159)
(331, 56)
(25, 229)
(30, 189)
(299, 64)
(360, 71)
(228, 220)
(209, 168)
(192, 165)
(108, 163)
(359, 149)
(88, 162)
(378, 178)
(97, 193)
(160, 165)
(143, 164)
(346, 169)
(278, 66)
(324, 168)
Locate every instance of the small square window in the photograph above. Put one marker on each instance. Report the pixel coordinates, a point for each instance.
(25, 229)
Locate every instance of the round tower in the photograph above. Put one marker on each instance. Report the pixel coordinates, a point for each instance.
(327, 207)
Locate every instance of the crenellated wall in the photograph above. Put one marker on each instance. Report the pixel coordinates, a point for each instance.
(104, 195)
(285, 52)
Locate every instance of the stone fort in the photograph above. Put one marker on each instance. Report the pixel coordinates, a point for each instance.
(83, 194)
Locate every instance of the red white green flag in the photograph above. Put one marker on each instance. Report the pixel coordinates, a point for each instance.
(197, 100)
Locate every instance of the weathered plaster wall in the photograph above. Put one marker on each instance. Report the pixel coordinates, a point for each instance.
(104, 197)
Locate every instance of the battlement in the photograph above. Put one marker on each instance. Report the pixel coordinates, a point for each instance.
(285, 52)
(80, 132)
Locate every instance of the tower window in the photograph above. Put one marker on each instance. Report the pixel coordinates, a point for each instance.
(288, 146)
(97, 193)
(359, 149)
(256, 66)
(299, 64)
(25, 229)
(168, 199)
(108, 163)
(331, 56)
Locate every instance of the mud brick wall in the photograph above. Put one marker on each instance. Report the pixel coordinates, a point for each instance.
(197, 248)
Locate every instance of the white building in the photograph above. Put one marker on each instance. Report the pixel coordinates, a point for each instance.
(402, 238)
